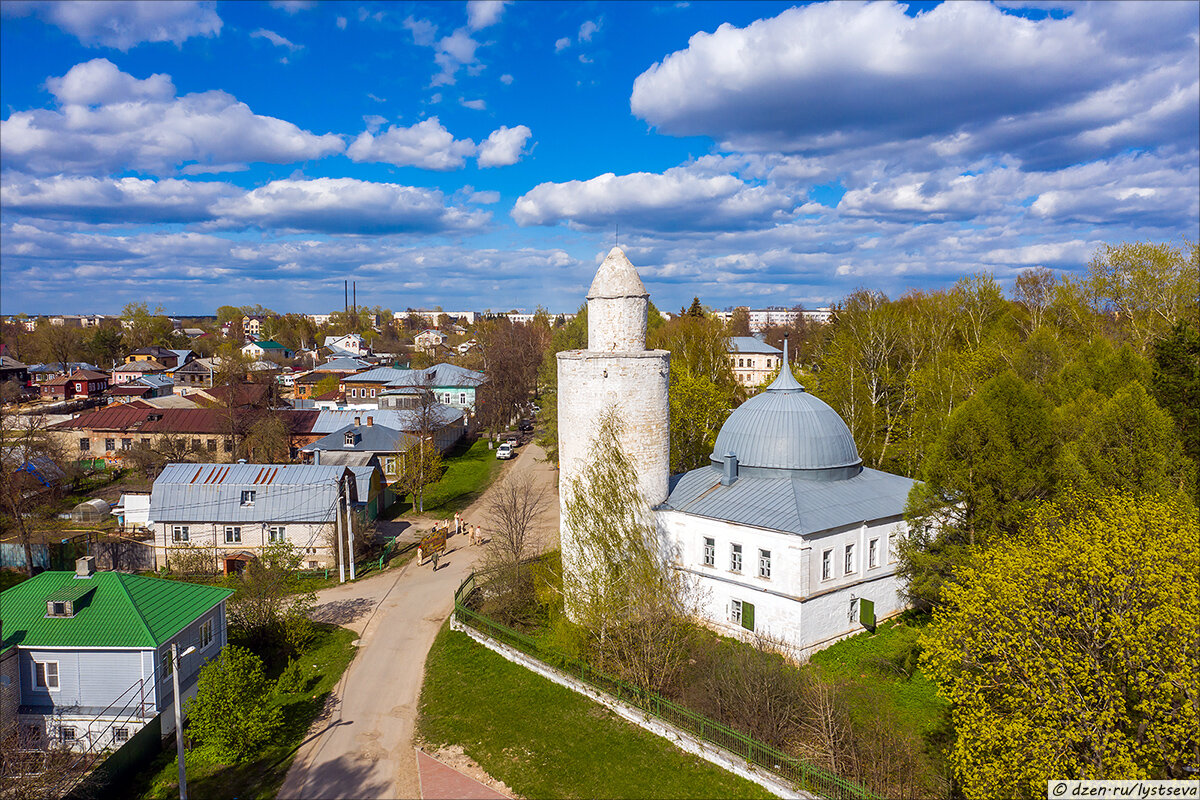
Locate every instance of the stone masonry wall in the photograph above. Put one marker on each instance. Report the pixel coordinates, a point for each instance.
(617, 324)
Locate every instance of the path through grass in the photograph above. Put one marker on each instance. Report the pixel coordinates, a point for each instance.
(546, 741)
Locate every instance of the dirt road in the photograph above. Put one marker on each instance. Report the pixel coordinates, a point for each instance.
(365, 748)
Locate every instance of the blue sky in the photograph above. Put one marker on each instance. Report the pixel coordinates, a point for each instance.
(482, 155)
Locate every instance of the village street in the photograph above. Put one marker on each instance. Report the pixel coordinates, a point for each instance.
(364, 748)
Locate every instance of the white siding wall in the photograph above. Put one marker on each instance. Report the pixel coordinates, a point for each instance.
(305, 536)
(795, 603)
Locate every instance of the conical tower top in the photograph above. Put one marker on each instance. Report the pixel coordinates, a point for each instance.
(785, 381)
(617, 277)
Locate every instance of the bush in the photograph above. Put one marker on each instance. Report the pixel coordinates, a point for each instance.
(231, 713)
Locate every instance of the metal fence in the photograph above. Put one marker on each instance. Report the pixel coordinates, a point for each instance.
(800, 774)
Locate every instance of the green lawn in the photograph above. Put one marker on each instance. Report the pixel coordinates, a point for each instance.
(546, 741)
(308, 682)
(469, 470)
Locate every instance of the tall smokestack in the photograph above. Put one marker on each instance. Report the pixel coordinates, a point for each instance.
(355, 306)
(346, 296)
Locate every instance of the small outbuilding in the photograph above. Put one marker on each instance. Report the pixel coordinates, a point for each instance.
(91, 512)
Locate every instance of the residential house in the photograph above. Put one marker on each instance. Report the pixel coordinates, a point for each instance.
(132, 370)
(80, 384)
(146, 387)
(267, 349)
(252, 326)
(168, 358)
(109, 431)
(93, 651)
(448, 424)
(195, 333)
(40, 373)
(350, 344)
(387, 445)
(752, 361)
(184, 356)
(235, 510)
(195, 374)
(429, 340)
(386, 387)
(467, 347)
(14, 371)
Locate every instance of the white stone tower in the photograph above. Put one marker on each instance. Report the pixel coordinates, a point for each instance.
(616, 369)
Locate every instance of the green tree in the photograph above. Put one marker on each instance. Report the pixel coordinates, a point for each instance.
(1176, 383)
(1150, 286)
(739, 323)
(1071, 651)
(571, 336)
(232, 714)
(104, 346)
(989, 467)
(327, 384)
(268, 440)
(144, 327)
(1128, 444)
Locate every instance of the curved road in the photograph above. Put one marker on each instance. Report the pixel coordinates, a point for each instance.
(364, 749)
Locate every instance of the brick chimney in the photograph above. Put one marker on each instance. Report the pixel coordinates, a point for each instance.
(370, 421)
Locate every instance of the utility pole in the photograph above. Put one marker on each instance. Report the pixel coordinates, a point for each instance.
(175, 657)
(341, 559)
(349, 528)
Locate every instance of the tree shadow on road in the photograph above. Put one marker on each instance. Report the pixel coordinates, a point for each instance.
(342, 612)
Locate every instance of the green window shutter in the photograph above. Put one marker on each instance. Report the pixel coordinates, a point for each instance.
(866, 613)
(748, 616)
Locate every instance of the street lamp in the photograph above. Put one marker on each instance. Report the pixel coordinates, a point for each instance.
(175, 656)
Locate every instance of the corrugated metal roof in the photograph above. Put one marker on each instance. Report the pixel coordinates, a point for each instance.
(213, 493)
(362, 479)
(402, 419)
(124, 611)
(782, 502)
(787, 430)
(748, 344)
(125, 417)
(367, 439)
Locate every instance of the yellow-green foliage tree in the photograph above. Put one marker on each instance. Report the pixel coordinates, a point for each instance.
(1073, 650)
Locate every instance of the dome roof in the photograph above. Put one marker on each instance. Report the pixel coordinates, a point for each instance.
(785, 427)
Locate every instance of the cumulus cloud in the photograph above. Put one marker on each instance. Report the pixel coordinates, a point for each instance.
(562, 44)
(275, 39)
(108, 121)
(504, 146)
(293, 6)
(122, 24)
(109, 200)
(484, 13)
(506, 79)
(675, 200)
(966, 77)
(477, 104)
(588, 29)
(346, 205)
(426, 144)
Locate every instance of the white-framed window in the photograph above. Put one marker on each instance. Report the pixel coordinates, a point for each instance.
(735, 611)
(85, 444)
(248, 496)
(127, 444)
(710, 552)
(891, 547)
(764, 563)
(45, 675)
(349, 438)
(110, 445)
(849, 563)
(179, 533)
(67, 733)
(206, 633)
(389, 465)
(233, 535)
(276, 533)
(853, 610)
(354, 392)
(735, 558)
(120, 735)
(826, 565)
(873, 554)
(462, 398)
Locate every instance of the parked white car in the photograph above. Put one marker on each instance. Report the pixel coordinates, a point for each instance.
(505, 450)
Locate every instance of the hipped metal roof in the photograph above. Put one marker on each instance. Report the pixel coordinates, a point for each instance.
(213, 493)
(124, 611)
(782, 502)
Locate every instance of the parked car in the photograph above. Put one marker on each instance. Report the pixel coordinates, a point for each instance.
(505, 451)
(536, 408)
(525, 425)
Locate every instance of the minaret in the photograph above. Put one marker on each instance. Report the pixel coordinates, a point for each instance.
(615, 370)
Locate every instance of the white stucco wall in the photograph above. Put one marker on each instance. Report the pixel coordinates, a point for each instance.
(306, 536)
(796, 603)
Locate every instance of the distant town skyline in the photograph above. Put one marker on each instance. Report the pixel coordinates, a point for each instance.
(483, 155)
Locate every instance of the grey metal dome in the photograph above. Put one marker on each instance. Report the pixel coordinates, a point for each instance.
(785, 427)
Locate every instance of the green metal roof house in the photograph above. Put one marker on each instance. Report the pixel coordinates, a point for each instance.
(93, 650)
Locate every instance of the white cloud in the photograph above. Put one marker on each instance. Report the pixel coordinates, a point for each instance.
(964, 76)
(345, 205)
(122, 24)
(675, 200)
(453, 51)
(293, 6)
(276, 39)
(484, 13)
(503, 146)
(342, 22)
(562, 44)
(426, 144)
(373, 121)
(474, 105)
(423, 31)
(107, 200)
(108, 121)
(588, 29)
(506, 79)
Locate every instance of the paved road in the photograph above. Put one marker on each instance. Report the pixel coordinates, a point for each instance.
(365, 749)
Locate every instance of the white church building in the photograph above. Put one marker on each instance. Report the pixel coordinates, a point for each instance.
(785, 532)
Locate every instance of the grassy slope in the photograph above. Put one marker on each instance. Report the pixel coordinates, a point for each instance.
(546, 741)
(318, 671)
(467, 474)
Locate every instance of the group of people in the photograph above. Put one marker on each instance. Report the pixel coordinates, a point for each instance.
(474, 532)
(458, 526)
